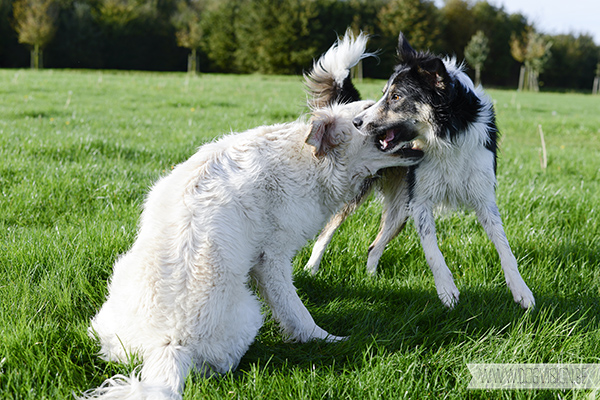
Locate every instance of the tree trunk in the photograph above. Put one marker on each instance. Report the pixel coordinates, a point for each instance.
(521, 79)
(596, 87)
(533, 80)
(193, 64)
(36, 57)
(477, 76)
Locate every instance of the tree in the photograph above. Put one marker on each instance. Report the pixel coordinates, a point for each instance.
(458, 26)
(120, 13)
(476, 53)
(498, 26)
(416, 19)
(35, 23)
(573, 62)
(274, 36)
(136, 34)
(596, 87)
(533, 51)
(187, 22)
(220, 39)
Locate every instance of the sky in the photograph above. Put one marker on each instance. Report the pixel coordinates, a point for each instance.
(558, 16)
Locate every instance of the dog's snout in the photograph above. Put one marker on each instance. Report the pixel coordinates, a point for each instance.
(358, 121)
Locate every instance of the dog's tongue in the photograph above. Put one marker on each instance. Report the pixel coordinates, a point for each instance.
(388, 138)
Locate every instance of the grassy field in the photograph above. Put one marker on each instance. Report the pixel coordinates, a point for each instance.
(79, 150)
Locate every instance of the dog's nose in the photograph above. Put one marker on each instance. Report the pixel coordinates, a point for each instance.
(357, 122)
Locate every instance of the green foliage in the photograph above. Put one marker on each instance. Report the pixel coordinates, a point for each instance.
(459, 26)
(119, 14)
(35, 23)
(533, 50)
(186, 21)
(477, 52)
(478, 49)
(498, 26)
(571, 53)
(220, 23)
(417, 19)
(79, 151)
(274, 36)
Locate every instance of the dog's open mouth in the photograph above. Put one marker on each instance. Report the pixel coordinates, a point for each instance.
(393, 141)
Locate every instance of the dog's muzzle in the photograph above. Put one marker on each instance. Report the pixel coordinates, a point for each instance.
(401, 140)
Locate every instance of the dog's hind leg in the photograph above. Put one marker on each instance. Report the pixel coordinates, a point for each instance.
(334, 223)
(490, 219)
(444, 282)
(395, 213)
(274, 276)
(326, 235)
(162, 377)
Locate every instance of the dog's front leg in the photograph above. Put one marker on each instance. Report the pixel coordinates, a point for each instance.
(444, 282)
(274, 276)
(490, 219)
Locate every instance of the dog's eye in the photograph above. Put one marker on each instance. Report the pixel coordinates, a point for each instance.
(395, 97)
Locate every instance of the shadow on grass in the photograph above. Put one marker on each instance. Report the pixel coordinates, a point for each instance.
(382, 320)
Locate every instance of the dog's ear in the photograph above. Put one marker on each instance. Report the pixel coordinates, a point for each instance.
(324, 132)
(435, 73)
(405, 52)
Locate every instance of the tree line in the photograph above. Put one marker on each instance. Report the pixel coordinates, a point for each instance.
(284, 36)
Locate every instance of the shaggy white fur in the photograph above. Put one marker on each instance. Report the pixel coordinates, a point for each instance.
(239, 208)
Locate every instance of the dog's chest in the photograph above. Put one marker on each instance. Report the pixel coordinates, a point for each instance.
(456, 180)
(292, 213)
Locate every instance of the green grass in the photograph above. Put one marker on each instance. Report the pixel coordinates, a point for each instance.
(79, 150)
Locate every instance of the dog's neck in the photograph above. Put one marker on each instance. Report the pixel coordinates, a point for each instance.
(339, 183)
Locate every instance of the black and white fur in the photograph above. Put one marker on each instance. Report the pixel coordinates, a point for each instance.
(432, 100)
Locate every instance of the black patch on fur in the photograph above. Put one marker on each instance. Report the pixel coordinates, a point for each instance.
(425, 81)
(421, 78)
(405, 51)
(463, 109)
(347, 93)
(324, 90)
(492, 142)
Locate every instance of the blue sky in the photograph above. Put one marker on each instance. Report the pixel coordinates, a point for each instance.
(558, 16)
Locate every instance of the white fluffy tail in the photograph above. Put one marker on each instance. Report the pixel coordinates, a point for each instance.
(162, 378)
(121, 387)
(330, 81)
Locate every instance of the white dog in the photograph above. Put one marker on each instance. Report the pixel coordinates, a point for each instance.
(239, 208)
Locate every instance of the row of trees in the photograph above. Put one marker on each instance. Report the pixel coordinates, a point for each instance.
(283, 36)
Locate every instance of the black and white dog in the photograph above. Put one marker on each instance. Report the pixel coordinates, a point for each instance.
(431, 101)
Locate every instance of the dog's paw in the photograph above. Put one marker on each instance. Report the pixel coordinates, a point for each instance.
(333, 338)
(371, 269)
(521, 293)
(449, 295)
(312, 266)
(319, 333)
(524, 297)
(316, 333)
(312, 269)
